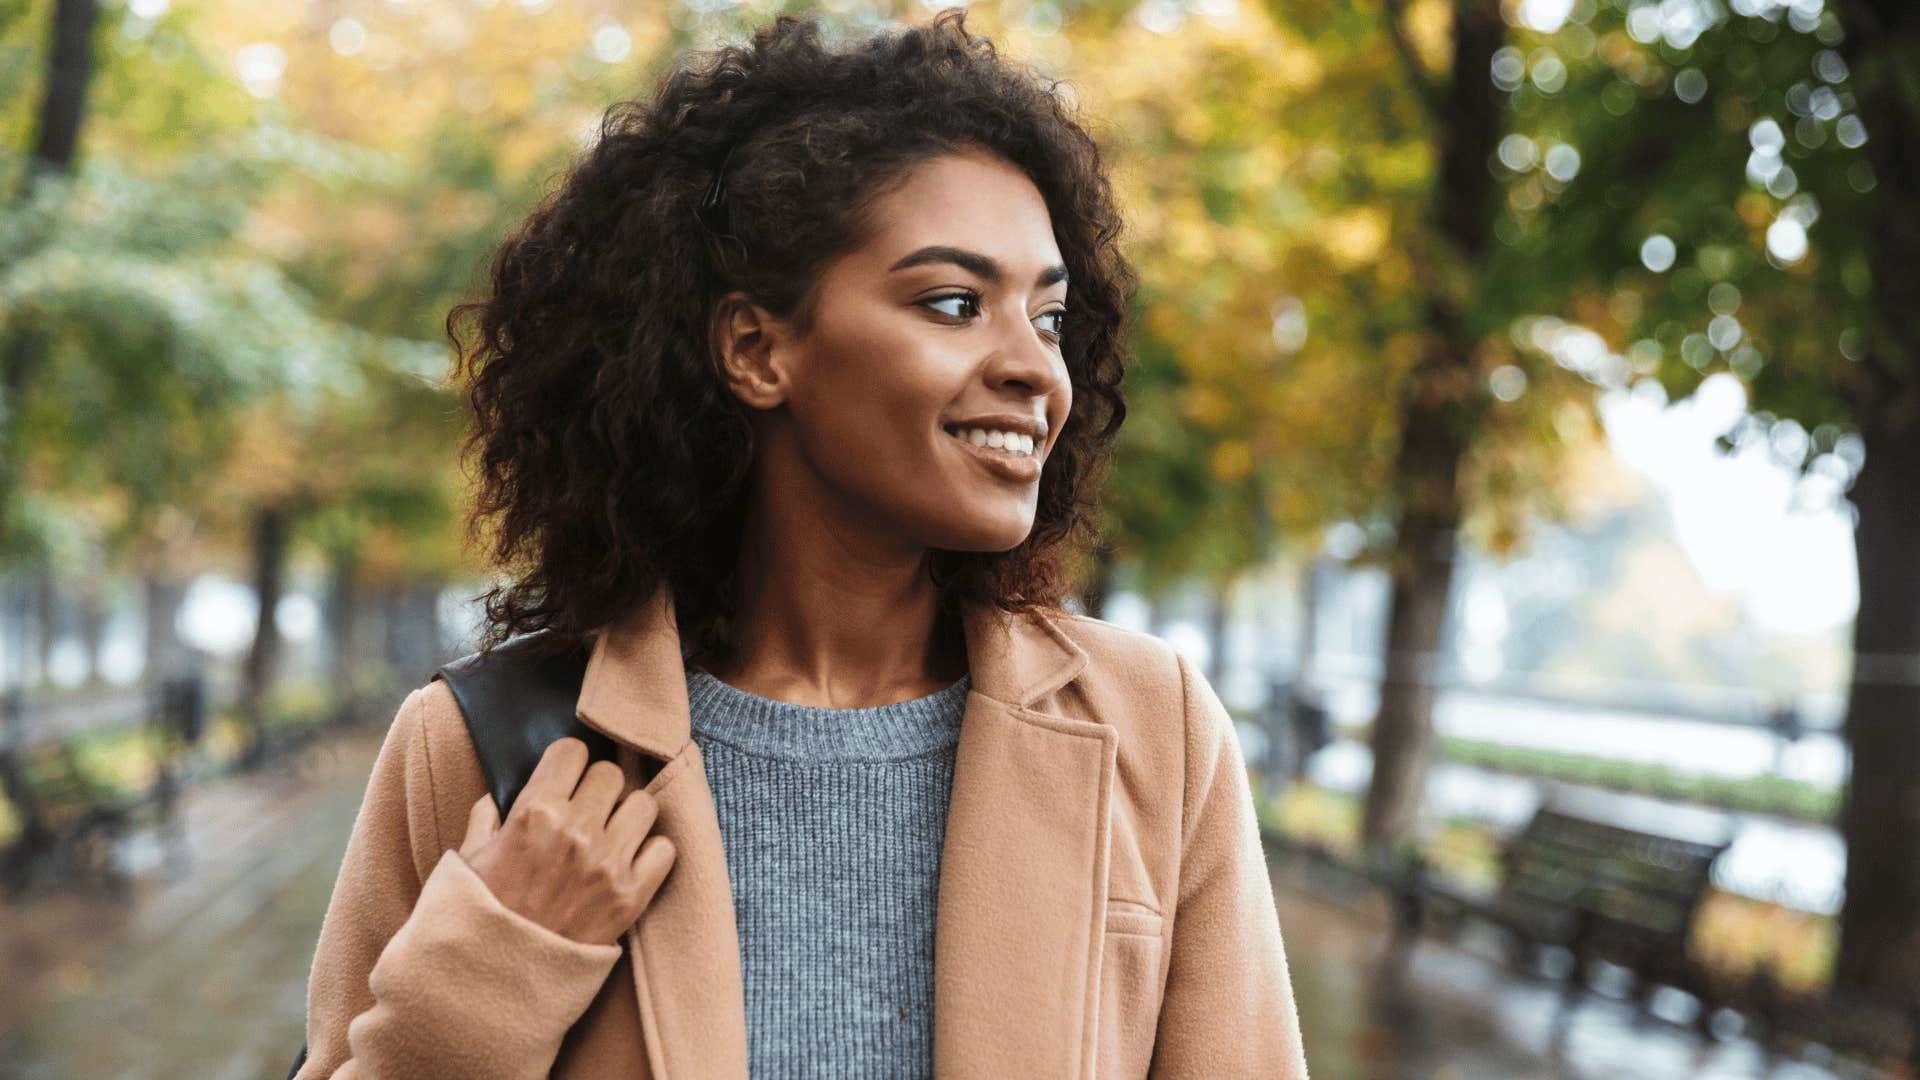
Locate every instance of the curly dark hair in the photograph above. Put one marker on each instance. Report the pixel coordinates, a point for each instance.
(611, 453)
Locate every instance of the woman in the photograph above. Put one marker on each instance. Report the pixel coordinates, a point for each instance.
(791, 404)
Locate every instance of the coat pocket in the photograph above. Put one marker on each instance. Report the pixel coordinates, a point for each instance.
(1132, 917)
(1130, 988)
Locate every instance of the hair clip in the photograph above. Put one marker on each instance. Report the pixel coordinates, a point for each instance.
(716, 190)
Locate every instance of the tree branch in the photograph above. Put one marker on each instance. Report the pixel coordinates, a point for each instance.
(1423, 84)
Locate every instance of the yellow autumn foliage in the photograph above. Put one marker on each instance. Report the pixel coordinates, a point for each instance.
(1231, 461)
(1354, 237)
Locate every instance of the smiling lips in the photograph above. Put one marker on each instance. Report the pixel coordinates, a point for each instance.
(1007, 464)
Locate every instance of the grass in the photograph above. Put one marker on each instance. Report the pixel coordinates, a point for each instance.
(1774, 795)
(1461, 848)
(1793, 799)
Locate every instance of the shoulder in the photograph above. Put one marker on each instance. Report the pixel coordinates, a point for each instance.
(430, 725)
(443, 771)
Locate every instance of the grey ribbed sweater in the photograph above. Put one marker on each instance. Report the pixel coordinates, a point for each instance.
(832, 822)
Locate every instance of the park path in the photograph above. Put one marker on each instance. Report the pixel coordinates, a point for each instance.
(1450, 1011)
(204, 976)
(199, 976)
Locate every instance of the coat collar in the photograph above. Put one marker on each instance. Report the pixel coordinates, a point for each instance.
(635, 686)
(1020, 911)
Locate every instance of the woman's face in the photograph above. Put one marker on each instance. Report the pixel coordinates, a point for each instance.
(947, 319)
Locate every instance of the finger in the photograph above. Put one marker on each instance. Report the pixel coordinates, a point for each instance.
(593, 800)
(557, 773)
(483, 820)
(630, 822)
(655, 859)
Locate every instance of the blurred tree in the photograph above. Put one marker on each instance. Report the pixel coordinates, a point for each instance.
(1714, 142)
(55, 138)
(1311, 212)
(1441, 405)
(1243, 431)
(333, 467)
(1880, 924)
(470, 111)
(1467, 432)
(55, 145)
(164, 327)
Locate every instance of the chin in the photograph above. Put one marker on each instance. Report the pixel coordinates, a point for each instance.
(985, 537)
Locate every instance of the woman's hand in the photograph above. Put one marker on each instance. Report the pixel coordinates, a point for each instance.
(567, 858)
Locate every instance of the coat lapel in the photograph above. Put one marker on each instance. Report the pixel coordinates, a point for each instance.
(685, 951)
(1022, 877)
(1024, 866)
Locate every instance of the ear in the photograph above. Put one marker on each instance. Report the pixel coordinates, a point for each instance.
(749, 346)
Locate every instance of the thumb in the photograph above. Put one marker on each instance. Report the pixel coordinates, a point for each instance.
(483, 820)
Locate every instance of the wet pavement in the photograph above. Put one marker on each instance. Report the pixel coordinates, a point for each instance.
(203, 976)
(1452, 1012)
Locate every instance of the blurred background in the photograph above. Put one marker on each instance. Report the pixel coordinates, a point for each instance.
(1525, 439)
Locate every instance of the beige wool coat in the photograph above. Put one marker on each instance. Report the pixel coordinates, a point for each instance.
(1103, 908)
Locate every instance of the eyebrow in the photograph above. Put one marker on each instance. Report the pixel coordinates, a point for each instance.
(973, 262)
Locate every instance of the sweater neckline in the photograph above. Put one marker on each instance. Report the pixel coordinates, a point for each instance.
(769, 727)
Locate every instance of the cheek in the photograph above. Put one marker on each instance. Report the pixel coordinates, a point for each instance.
(870, 407)
(880, 408)
(869, 418)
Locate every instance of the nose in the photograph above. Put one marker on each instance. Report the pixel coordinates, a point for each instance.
(1025, 359)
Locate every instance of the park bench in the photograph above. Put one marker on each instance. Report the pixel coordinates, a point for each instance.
(1599, 890)
(69, 821)
(1599, 879)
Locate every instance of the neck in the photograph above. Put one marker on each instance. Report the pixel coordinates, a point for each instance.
(823, 624)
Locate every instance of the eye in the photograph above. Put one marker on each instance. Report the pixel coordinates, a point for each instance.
(1059, 318)
(969, 302)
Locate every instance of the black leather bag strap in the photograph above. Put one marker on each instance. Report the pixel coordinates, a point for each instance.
(516, 702)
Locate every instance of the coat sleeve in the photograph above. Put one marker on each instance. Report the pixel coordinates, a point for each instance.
(420, 971)
(1228, 1008)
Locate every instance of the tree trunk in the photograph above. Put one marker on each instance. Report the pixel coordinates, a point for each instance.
(70, 70)
(56, 145)
(412, 616)
(166, 654)
(1880, 920)
(1093, 600)
(19, 595)
(46, 621)
(1439, 412)
(393, 625)
(270, 529)
(69, 73)
(90, 609)
(1312, 597)
(1421, 579)
(1220, 619)
(423, 630)
(343, 606)
(1300, 703)
(1879, 952)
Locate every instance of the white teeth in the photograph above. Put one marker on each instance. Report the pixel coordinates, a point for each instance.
(1011, 442)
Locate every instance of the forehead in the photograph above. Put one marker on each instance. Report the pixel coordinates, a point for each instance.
(965, 199)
